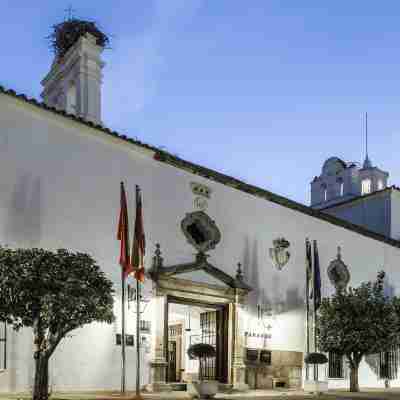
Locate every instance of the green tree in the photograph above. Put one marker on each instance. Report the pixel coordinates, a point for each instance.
(53, 293)
(357, 322)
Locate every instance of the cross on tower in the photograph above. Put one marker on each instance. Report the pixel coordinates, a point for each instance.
(70, 12)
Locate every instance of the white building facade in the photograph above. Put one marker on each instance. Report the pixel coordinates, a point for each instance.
(59, 180)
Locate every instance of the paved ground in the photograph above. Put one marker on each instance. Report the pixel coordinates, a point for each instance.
(370, 394)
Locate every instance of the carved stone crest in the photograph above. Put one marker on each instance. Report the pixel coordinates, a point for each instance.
(280, 254)
(338, 273)
(200, 231)
(200, 203)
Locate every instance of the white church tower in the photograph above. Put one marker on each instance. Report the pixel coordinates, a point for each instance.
(74, 81)
(340, 182)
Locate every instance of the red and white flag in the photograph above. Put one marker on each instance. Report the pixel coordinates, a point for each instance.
(139, 243)
(123, 234)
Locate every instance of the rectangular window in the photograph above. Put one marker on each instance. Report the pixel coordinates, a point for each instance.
(335, 368)
(366, 186)
(129, 340)
(388, 362)
(3, 345)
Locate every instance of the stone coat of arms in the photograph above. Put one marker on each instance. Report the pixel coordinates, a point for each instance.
(338, 273)
(279, 254)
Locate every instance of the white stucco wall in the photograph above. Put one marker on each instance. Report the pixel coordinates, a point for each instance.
(59, 185)
(395, 214)
(372, 212)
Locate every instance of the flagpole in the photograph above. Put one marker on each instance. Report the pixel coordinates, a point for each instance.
(137, 338)
(315, 311)
(126, 268)
(138, 264)
(123, 354)
(307, 306)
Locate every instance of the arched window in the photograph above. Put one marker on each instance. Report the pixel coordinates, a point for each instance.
(365, 186)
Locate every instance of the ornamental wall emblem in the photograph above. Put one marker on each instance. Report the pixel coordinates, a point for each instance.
(199, 189)
(338, 273)
(280, 254)
(200, 231)
(200, 203)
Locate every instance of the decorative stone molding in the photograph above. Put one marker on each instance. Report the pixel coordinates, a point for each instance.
(279, 253)
(158, 271)
(338, 273)
(232, 294)
(200, 190)
(200, 203)
(200, 231)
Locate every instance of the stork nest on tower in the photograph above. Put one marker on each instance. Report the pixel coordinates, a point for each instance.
(67, 33)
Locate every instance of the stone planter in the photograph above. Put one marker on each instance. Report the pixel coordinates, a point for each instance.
(316, 386)
(203, 389)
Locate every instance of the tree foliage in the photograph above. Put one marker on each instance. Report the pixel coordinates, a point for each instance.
(53, 293)
(315, 358)
(357, 322)
(201, 350)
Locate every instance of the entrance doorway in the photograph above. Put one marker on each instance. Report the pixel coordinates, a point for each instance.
(192, 322)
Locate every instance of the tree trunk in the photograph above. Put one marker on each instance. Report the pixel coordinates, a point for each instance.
(41, 384)
(354, 379)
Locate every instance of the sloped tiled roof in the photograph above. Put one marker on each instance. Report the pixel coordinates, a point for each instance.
(361, 197)
(167, 158)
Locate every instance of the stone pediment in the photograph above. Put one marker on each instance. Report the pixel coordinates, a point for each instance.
(202, 277)
(199, 266)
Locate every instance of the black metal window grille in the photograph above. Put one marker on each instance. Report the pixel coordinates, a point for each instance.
(129, 340)
(3, 345)
(145, 326)
(265, 357)
(388, 364)
(335, 367)
(208, 325)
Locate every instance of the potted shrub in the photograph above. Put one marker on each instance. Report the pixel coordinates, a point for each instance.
(205, 389)
(313, 385)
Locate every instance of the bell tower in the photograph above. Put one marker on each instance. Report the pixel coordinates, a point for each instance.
(73, 83)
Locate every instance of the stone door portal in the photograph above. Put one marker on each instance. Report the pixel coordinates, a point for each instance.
(224, 329)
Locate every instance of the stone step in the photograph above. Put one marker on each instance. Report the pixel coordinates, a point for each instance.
(178, 387)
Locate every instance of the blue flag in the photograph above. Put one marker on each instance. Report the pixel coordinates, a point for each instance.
(317, 279)
(308, 270)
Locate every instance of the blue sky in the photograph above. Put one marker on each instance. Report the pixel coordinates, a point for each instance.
(264, 90)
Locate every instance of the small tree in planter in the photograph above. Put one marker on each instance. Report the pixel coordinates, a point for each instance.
(357, 322)
(316, 359)
(202, 351)
(53, 293)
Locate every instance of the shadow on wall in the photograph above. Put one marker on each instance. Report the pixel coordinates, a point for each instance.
(260, 281)
(372, 361)
(23, 225)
